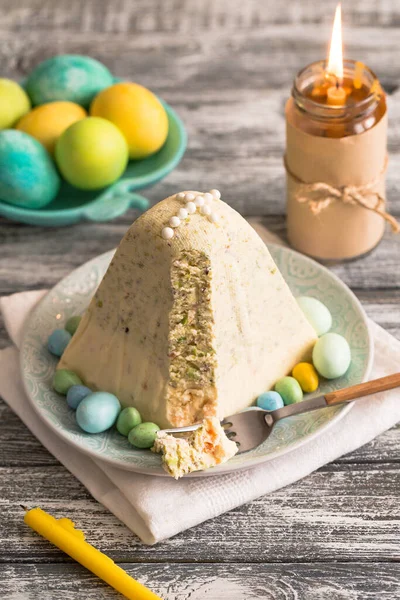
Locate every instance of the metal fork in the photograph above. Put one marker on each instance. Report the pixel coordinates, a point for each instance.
(252, 427)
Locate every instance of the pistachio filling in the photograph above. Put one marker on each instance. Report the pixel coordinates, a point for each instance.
(191, 388)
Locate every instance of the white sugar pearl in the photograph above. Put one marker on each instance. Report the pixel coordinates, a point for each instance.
(191, 208)
(216, 194)
(180, 196)
(205, 210)
(214, 218)
(167, 233)
(189, 197)
(183, 214)
(174, 221)
(208, 197)
(199, 201)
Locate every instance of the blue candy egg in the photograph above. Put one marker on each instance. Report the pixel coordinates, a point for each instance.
(58, 341)
(76, 394)
(98, 412)
(68, 77)
(270, 401)
(28, 177)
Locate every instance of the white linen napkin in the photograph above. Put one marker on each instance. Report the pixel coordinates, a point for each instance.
(156, 508)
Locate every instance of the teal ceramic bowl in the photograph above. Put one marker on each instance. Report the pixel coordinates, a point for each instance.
(72, 205)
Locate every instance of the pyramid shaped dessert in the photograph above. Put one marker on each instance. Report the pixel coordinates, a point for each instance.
(192, 318)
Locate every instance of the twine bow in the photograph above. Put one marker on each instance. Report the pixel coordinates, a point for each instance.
(319, 196)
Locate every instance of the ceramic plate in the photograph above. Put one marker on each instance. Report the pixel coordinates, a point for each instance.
(72, 295)
(72, 205)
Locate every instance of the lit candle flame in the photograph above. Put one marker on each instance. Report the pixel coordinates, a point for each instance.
(335, 60)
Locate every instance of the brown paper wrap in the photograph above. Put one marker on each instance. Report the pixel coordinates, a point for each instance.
(340, 229)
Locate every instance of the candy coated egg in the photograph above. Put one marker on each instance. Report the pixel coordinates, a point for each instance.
(331, 355)
(92, 153)
(143, 435)
(64, 379)
(58, 341)
(28, 177)
(270, 401)
(307, 376)
(316, 313)
(72, 324)
(47, 122)
(128, 419)
(76, 394)
(138, 113)
(14, 103)
(289, 389)
(68, 77)
(98, 412)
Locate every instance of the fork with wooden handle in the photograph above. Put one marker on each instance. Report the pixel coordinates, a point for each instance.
(252, 427)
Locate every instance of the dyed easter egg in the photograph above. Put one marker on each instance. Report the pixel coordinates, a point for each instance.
(98, 412)
(58, 341)
(289, 389)
(143, 435)
(47, 122)
(72, 324)
(331, 355)
(28, 177)
(68, 77)
(316, 313)
(76, 394)
(92, 153)
(14, 103)
(138, 113)
(270, 401)
(307, 376)
(128, 419)
(64, 379)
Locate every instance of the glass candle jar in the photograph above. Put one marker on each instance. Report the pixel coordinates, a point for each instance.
(336, 161)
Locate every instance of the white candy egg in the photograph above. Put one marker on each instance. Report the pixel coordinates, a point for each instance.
(205, 210)
(316, 313)
(331, 355)
(167, 233)
(174, 221)
(183, 214)
(191, 208)
(216, 194)
(199, 201)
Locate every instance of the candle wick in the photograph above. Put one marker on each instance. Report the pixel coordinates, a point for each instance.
(337, 84)
(23, 507)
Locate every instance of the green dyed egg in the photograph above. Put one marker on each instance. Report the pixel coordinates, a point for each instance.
(72, 324)
(64, 379)
(128, 419)
(68, 77)
(290, 390)
(143, 435)
(14, 103)
(28, 177)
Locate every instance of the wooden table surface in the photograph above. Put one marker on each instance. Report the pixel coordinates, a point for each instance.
(226, 66)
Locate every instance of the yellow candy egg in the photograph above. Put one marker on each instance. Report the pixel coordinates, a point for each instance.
(137, 113)
(14, 103)
(307, 376)
(46, 123)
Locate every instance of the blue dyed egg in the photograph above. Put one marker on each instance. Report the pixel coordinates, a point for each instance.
(28, 177)
(68, 77)
(316, 313)
(98, 412)
(76, 394)
(331, 355)
(58, 341)
(270, 401)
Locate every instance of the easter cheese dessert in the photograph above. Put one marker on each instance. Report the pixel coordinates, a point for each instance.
(206, 447)
(192, 318)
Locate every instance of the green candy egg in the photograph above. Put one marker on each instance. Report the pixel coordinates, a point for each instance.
(316, 313)
(128, 419)
(290, 390)
(64, 379)
(68, 77)
(331, 355)
(72, 324)
(143, 435)
(28, 177)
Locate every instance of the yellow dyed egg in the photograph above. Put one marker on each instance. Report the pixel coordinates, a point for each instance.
(14, 103)
(138, 113)
(47, 122)
(307, 376)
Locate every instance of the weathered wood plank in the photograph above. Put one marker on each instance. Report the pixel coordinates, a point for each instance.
(215, 582)
(349, 512)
